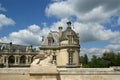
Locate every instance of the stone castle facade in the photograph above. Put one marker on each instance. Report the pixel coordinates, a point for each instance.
(12, 55)
(63, 47)
(58, 59)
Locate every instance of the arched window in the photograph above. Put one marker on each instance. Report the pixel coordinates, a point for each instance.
(23, 59)
(11, 59)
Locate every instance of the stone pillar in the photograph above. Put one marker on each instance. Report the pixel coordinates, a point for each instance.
(15, 59)
(3, 59)
(26, 59)
(7, 65)
(30, 59)
(18, 60)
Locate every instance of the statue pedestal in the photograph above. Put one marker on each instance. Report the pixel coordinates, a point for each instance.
(47, 72)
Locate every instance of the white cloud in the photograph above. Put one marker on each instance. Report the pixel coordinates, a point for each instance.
(95, 15)
(88, 32)
(116, 40)
(89, 14)
(62, 23)
(92, 51)
(94, 32)
(34, 28)
(30, 36)
(85, 11)
(5, 21)
(57, 0)
(113, 47)
(59, 9)
(99, 51)
(2, 8)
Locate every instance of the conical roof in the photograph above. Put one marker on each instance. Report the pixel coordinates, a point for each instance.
(67, 32)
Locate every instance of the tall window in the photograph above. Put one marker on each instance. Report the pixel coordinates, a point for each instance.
(54, 59)
(23, 59)
(11, 59)
(70, 58)
(5, 59)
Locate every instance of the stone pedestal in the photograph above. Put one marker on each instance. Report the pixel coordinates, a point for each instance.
(47, 72)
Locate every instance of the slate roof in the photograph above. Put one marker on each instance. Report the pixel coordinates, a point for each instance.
(67, 32)
(54, 35)
(14, 47)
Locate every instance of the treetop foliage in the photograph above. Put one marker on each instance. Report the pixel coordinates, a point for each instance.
(108, 59)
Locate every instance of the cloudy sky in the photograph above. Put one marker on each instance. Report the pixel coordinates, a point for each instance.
(97, 22)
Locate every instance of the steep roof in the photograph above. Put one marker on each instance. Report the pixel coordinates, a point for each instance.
(54, 35)
(14, 47)
(67, 32)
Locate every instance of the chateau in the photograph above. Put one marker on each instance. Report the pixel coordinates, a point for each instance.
(12, 55)
(63, 47)
(58, 59)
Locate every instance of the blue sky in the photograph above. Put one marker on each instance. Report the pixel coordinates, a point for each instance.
(25, 13)
(97, 22)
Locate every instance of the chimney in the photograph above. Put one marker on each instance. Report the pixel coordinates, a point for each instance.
(60, 32)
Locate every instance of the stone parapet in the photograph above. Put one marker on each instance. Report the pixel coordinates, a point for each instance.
(88, 71)
(43, 70)
(52, 73)
(46, 72)
(14, 70)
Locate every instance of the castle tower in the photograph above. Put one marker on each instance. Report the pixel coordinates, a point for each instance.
(69, 48)
(63, 47)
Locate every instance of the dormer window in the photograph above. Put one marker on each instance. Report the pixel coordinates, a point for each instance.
(50, 41)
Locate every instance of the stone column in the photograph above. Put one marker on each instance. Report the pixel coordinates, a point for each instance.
(7, 65)
(3, 59)
(15, 59)
(26, 59)
(18, 60)
(29, 59)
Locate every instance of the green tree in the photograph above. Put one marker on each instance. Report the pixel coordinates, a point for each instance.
(109, 59)
(93, 62)
(84, 60)
(118, 59)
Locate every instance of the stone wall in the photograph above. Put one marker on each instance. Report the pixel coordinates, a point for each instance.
(63, 74)
(14, 74)
(14, 70)
(88, 74)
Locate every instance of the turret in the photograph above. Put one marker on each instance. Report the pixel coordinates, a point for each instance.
(68, 25)
(60, 32)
